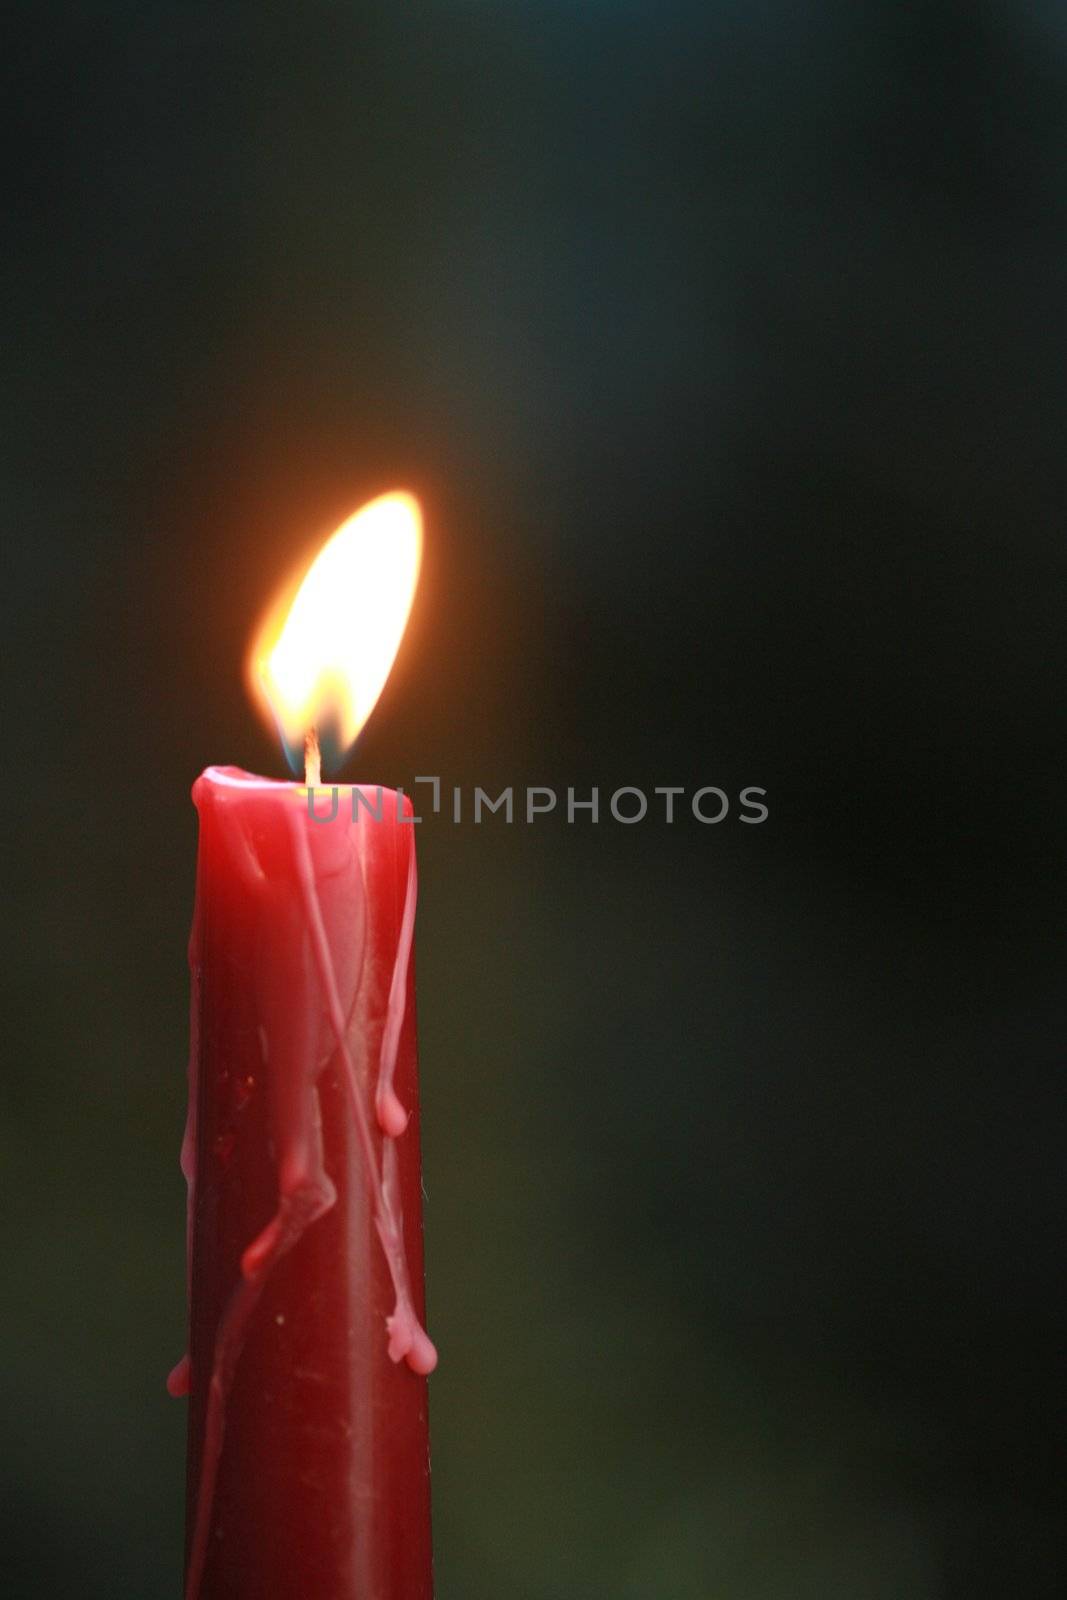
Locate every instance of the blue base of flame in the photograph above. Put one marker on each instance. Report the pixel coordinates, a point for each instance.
(332, 750)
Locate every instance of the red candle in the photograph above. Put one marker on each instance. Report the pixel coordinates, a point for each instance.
(308, 1469)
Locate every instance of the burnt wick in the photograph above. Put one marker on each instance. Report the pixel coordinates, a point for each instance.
(312, 759)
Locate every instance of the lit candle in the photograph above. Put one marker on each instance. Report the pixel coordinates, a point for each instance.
(308, 1467)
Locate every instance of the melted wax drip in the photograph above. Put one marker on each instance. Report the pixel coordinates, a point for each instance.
(392, 1118)
(408, 1340)
(305, 1191)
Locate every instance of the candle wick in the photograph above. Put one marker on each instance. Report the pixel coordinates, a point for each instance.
(312, 759)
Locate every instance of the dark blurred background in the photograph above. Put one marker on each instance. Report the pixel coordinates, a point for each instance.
(723, 344)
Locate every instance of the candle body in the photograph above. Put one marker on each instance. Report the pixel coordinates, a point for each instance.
(308, 1467)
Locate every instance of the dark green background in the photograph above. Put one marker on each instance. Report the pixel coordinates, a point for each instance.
(724, 345)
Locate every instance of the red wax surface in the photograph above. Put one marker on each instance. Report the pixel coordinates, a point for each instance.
(308, 1467)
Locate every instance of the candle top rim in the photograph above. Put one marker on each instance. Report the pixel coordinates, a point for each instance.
(238, 778)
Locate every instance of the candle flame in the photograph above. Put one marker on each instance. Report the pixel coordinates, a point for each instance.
(321, 662)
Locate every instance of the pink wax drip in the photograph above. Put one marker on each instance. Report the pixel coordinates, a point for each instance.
(408, 1340)
(392, 1118)
(305, 1190)
(228, 1342)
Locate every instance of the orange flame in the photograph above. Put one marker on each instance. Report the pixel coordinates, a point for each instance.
(322, 661)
